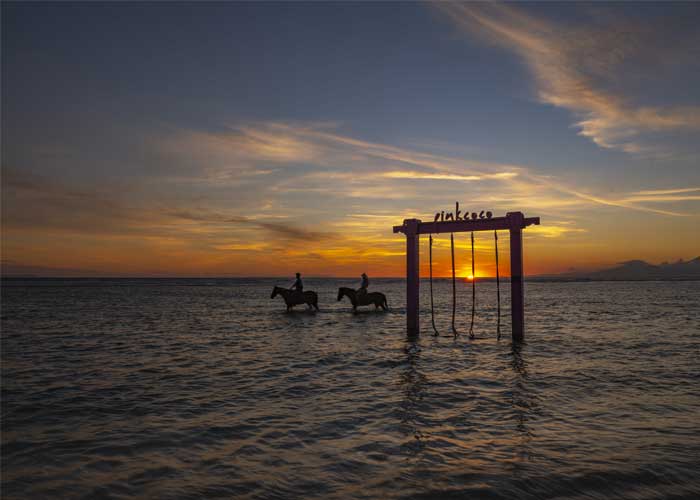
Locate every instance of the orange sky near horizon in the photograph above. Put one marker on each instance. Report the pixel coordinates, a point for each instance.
(254, 253)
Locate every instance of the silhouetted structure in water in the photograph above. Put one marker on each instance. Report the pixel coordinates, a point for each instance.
(515, 222)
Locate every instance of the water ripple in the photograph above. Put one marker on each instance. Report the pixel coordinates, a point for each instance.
(207, 388)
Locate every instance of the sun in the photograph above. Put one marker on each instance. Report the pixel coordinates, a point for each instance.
(470, 277)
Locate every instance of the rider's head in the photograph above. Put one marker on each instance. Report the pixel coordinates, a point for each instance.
(298, 275)
(364, 275)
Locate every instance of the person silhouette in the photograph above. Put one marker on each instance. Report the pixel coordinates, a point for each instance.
(363, 285)
(297, 285)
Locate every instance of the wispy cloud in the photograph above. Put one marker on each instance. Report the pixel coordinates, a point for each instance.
(279, 230)
(445, 176)
(36, 202)
(664, 195)
(654, 192)
(271, 143)
(555, 229)
(573, 68)
(624, 202)
(285, 231)
(342, 166)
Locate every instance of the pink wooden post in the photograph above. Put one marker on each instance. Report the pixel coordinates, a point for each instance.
(412, 277)
(517, 289)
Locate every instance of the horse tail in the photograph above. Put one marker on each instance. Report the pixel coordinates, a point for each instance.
(315, 302)
(386, 305)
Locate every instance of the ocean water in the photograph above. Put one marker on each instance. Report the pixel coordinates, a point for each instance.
(208, 388)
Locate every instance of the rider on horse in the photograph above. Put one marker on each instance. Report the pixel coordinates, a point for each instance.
(363, 285)
(297, 286)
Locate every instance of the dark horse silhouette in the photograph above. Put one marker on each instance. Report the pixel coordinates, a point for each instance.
(376, 298)
(293, 298)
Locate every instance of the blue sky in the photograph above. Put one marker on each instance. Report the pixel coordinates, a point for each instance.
(206, 139)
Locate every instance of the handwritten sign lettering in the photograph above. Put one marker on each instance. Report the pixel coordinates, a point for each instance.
(457, 215)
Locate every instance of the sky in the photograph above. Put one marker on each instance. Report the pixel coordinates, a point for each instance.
(264, 139)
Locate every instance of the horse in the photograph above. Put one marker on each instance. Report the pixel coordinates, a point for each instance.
(293, 298)
(376, 298)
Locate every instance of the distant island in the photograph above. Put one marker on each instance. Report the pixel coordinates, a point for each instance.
(634, 270)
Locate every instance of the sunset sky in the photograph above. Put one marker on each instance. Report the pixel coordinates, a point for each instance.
(235, 139)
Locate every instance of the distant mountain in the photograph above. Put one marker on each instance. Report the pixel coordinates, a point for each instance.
(638, 270)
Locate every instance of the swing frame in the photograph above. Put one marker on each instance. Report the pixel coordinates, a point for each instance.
(514, 222)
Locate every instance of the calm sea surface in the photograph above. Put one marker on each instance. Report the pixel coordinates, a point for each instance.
(207, 388)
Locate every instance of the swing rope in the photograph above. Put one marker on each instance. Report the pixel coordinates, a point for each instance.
(432, 307)
(454, 285)
(471, 327)
(498, 288)
(454, 288)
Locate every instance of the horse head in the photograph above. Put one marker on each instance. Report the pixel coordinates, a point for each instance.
(346, 292)
(275, 291)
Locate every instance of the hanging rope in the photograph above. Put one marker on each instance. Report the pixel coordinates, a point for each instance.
(454, 285)
(471, 327)
(498, 288)
(432, 307)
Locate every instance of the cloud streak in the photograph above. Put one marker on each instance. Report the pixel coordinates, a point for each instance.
(445, 176)
(284, 231)
(573, 68)
(346, 167)
(654, 192)
(279, 230)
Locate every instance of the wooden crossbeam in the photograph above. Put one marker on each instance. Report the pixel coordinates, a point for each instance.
(461, 226)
